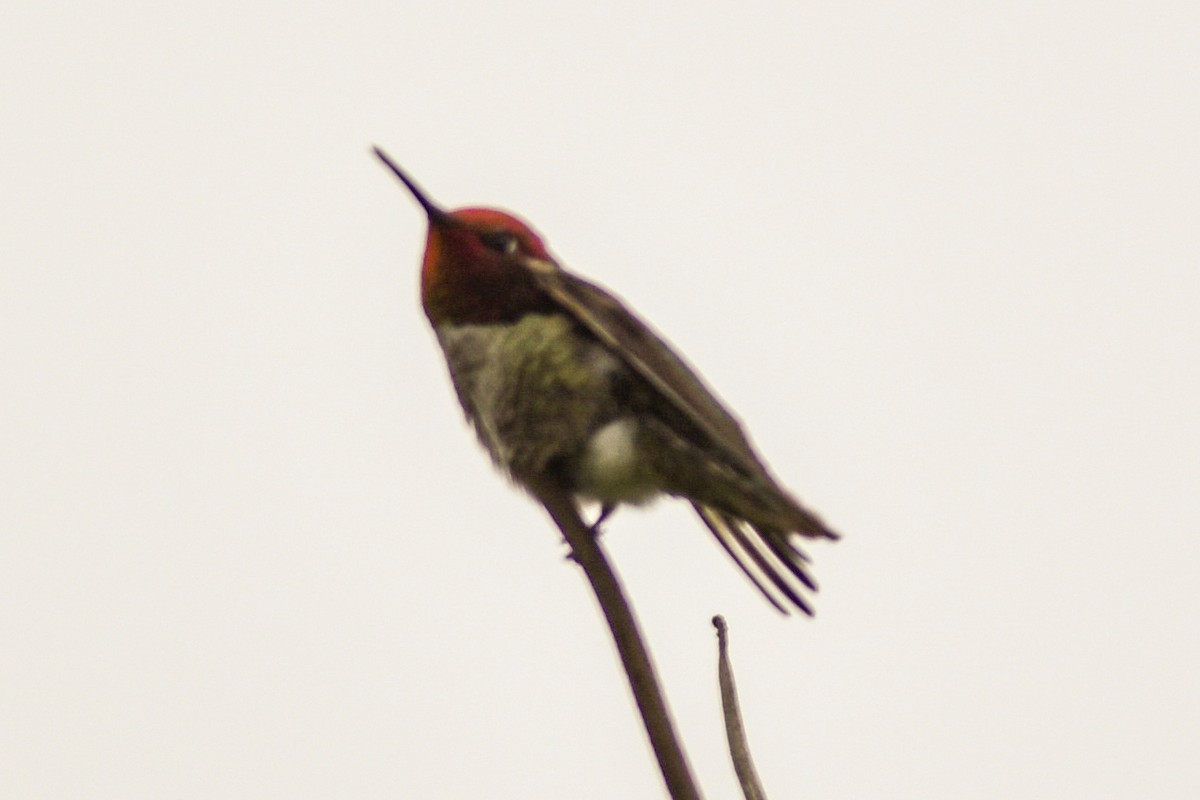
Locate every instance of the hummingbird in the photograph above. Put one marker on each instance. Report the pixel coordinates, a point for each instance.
(562, 382)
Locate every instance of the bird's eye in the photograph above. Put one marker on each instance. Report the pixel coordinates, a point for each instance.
(500, 241)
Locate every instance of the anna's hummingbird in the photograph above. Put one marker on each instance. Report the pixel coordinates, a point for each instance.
(562, 382)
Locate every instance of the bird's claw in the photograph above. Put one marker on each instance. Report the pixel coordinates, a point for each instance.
(605, 510)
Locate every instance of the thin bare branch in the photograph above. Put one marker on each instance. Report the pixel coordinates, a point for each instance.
(739, 748)
(639, 668)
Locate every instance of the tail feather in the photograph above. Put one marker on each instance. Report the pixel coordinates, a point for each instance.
(786, 552)
(724, 536)
(764, 555)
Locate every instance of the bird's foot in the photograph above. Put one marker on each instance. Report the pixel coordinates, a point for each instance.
(605, 510)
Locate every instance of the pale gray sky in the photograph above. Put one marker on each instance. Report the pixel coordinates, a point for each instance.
(941, 260)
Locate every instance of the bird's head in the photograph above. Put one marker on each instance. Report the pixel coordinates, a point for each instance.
(479, 263)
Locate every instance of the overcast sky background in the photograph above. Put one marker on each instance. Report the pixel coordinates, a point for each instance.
(942, 260)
